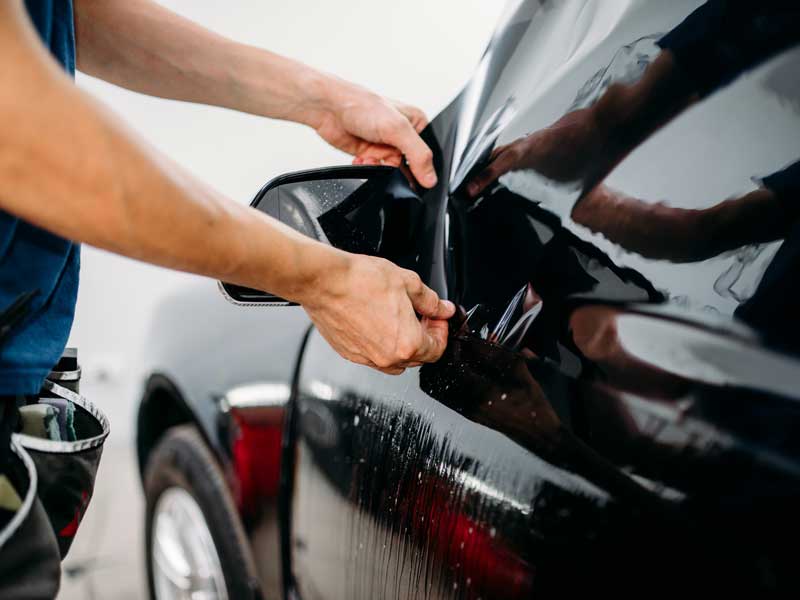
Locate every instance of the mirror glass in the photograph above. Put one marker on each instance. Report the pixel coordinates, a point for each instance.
(302, 203)
(366, 210)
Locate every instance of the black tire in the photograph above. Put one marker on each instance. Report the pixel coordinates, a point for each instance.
(182, 459)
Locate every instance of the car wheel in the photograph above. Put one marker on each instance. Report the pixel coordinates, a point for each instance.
(194, 540)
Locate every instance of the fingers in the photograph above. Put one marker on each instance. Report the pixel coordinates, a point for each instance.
(434, 340)
(482, 181)
(391, 370)
(360, 359)
(399, 135)
(376, 324)
(418, 118)
(498, 166)
(378, 154)
(405, 138)
(392, 159)
(424, 340)
(426, 302)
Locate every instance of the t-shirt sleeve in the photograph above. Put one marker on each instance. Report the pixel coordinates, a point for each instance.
(724, 38)
(785, 183)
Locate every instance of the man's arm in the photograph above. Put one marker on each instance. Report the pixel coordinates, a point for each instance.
(70, 167)
(662, 232)
(142, 46)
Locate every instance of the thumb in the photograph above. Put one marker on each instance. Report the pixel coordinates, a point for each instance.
(426, 302)
(418, 155)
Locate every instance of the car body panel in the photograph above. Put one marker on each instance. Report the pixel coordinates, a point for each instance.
(492, 475)
(230, 370)
(213, 346)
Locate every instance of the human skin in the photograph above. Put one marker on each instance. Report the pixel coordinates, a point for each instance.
(68, 165)
(658, 231)
(585, 145)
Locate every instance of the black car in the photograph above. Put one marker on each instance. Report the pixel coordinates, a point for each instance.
(618, 219)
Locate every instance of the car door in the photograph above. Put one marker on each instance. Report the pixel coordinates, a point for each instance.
(618, 406)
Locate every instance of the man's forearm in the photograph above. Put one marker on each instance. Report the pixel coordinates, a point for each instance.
(628, 114)
(142, 46)
(70, 167)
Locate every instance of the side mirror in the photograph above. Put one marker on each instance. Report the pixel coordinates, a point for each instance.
(366, 210)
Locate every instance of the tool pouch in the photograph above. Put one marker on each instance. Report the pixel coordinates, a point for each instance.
(30, 564)
(64, 435)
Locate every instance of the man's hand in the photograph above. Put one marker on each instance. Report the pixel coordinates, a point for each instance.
(365, 308)
(141, 45)
(371, 128)
(105, 188)
(584, 145)
(563, 152)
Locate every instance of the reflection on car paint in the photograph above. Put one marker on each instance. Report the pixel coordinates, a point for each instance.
(627, 66)
(480, 145)
(559, 434)
(588, 429)
(725, 284)
(549, 182)
(423, 514)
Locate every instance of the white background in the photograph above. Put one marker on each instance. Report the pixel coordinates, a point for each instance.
(420, 52)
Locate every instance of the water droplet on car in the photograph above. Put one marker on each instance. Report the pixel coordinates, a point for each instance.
(355, 420)
(492, 532)
(503, 396)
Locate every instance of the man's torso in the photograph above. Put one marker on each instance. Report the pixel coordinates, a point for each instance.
(32, 259)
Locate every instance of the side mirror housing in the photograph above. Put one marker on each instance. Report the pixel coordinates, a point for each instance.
(363, 209)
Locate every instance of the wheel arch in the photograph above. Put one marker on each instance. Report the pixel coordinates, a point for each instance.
(161, 408)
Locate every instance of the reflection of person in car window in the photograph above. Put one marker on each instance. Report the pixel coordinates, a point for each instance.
(682, 235)
(709, 49)
(772, 310)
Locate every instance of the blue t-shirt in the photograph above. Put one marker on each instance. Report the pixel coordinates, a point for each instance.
(33, 259)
